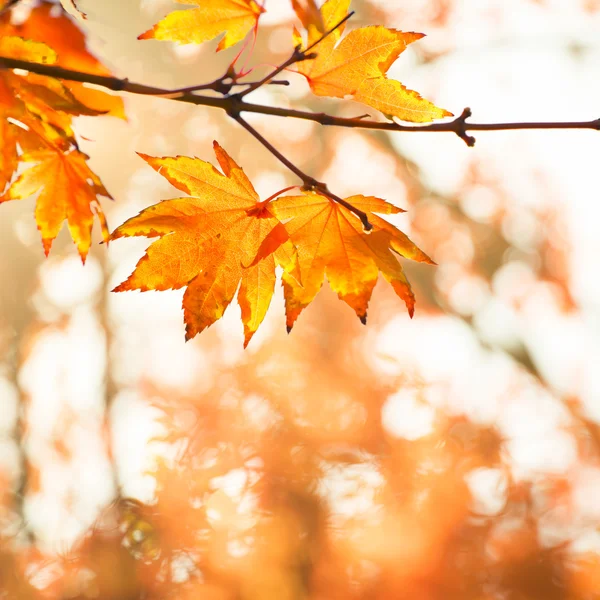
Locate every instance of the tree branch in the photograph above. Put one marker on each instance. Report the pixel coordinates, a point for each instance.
(456, 126)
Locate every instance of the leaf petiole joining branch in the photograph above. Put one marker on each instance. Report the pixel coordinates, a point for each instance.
(310, 183)
(297, 56)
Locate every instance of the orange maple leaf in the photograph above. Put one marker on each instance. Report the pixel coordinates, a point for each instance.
(357, 65)
(234, 18)
(68, 191)
(218, 239)
(331, 242)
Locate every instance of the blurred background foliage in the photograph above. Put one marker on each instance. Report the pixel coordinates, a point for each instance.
(456, 455)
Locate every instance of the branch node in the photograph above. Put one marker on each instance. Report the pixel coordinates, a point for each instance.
(325, 119)
(312, 185)
(461, 128)
(223, 87)
(308, 56)
(235, 106)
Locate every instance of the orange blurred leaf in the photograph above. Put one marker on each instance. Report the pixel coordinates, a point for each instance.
(357, 65)
(211, 18)
(220, 238)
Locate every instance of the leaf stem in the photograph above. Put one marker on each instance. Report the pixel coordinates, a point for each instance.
(276, 194)
(298, 55)
(310, 183)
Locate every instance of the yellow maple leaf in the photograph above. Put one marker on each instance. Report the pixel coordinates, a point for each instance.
(218, 239)
(68, 191)
(331, 242)
(357, 64)
(234, 18)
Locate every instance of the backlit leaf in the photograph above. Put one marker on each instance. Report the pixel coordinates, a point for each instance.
(210, 18)
(356, 66)
(331, 242)
(219, 239)
(310, 15)
(68, 190)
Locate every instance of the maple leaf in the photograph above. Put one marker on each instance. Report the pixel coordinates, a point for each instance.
(331, 242)
(218, 239)
(211, 18)
(68, 191)
(357, 66)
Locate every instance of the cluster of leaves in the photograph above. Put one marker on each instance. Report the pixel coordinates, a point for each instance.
(36, 126)
(222, 237)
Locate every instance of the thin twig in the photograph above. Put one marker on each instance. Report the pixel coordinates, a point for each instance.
(298, 55)
(221, 85)
(308, 181)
